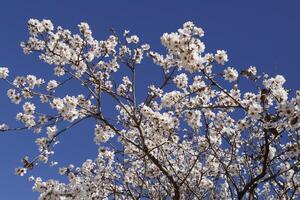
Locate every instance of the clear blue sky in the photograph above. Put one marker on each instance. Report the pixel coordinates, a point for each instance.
(261, 33)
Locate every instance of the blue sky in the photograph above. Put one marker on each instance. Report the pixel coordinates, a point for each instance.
(261, 33)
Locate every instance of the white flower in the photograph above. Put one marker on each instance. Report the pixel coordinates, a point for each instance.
(4, 72)
(279, 79)
(57, 103)
(198, 31)
(59, 71)
(11, 92)
(188, 25)
(252, 70)
(181, 81)
(31, 80)
(3, 127)
(221, 57)
(145, 47)
(63, 170)
(133, 39)
(52, 85)
(47, 25)
(87, 166)
(28, 108)
(43, 119)
(230, 74)
(40, 81)
(19, 81)
(51, 131)
(44, 98)
(126, 32)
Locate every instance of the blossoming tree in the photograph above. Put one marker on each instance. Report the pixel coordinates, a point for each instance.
(198, 134)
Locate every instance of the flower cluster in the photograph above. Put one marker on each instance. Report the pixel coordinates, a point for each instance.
(188, 48)
(194, 119)
(67, 107)
(171, 98)
(103, 133)
(181, 81)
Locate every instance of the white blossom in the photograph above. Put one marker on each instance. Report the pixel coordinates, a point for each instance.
(221, 57)
(51, 131)
(52, 85)
(230, 74)
(4, 72)
(3, 127)
(103, 133)
(28, 108)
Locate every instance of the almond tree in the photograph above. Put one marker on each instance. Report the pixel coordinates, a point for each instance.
(198, 134)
